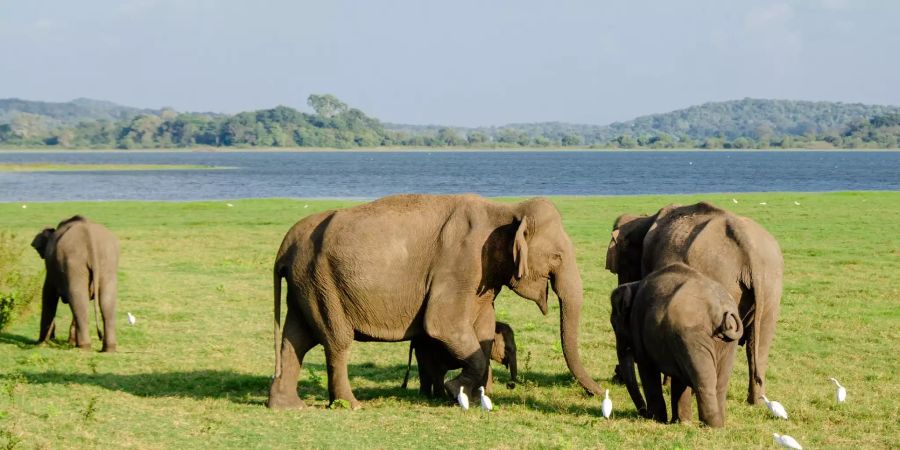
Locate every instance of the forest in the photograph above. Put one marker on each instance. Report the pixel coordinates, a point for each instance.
(737, 124)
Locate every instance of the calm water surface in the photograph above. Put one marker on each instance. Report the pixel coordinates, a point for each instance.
(489, 173)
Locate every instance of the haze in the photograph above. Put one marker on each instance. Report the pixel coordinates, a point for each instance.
(462, 63)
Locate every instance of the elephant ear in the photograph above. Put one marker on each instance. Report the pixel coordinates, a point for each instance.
(520, 249)
(612, 254)
(40, 241)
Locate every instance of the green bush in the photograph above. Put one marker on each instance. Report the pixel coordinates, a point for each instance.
(18, 286)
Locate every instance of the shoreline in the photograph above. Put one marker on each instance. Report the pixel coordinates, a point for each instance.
(436, 150)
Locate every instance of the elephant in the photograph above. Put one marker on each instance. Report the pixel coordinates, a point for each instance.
(434, 361)
(732, 250)
(81, 259)
(412, 265)
(678, 322)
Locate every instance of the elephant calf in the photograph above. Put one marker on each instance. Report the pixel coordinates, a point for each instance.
(81, 258)
(435, 361)
(678, 322)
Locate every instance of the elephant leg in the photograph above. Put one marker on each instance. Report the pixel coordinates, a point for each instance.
(49, 302)
(468, 345)
(725, 366)
(71, 340)
(79, 301)
(656, 404)
(489, 384)
(296, 341)
(758, 364)
(108, 310)
(337, 357)
(681, 400)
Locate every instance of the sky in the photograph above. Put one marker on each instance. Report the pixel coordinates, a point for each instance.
(461, 62)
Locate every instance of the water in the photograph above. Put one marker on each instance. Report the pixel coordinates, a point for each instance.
(490, 173)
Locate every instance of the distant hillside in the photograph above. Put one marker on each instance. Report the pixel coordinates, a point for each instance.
(69, 113)
(738, 124)
(751, 118)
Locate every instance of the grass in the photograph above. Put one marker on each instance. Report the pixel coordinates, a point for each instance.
(194, 371)
(63, 167)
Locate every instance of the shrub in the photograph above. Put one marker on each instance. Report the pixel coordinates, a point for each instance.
(18, 286)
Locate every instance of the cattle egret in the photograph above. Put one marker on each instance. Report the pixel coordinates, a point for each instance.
(305, 206)
(486, 403)
(786, 441)
(230, 205)
(796, 203)
(763, 203)
(734, 200)
(841, 393)
(776, 408)
(607, 406)
(131, 319)
(463, 399)
(24, 206)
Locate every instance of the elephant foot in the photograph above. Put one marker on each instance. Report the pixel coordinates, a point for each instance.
(109, 348)
(85, 347)
(354, 404)
(511, 385)
(280, 402)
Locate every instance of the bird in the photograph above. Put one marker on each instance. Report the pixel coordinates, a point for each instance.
(463, 399)
(776, 408)
(734, 200)
(230, 205)
(841, 393)
(786, 441)
(796, 203)
(24, 206)
(486, 403)
(606, 406)
(763, 203)
(305, 206)
(131, 319)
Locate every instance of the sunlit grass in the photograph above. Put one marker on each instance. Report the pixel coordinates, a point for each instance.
(194, 371)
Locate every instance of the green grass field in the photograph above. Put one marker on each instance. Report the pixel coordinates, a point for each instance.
(194, 371)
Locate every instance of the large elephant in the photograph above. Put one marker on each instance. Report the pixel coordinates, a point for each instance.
(680, 323)
(415, 265)
(435, 361)
(734, 251)
(81, 258)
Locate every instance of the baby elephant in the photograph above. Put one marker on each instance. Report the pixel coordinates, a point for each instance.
(81, 258)
(680, 323)
(435, 361)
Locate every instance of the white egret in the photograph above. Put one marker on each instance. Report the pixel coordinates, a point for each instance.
(775, 408)
(606, 406)
(763, 203)
(131, 319)
(24, 206)
(734, 200)
(230, 205)
(841, 393)
(786, 441)
(796, 203)
(463, 399)
(486, 403)
(305, 206)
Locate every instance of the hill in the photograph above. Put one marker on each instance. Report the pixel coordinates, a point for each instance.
(747, 123)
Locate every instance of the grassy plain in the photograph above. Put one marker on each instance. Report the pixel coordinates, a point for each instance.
(62, 167)
(194, 371)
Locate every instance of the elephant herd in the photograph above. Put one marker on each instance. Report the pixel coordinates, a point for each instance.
(694, 282)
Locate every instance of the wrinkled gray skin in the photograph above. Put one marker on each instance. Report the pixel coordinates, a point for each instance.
(732, 250)
(81, 258)
(434, 361)
(418, 265)
(682, 324)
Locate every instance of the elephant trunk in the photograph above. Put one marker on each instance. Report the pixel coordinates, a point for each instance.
(626, 366)
(567, 285)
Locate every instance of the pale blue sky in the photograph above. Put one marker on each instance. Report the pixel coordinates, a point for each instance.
(457, 62)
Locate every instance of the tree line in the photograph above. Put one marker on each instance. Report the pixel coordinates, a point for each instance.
(745, 124)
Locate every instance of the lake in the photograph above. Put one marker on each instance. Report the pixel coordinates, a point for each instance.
(363, 175)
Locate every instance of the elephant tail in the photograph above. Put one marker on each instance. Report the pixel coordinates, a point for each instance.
(759, 275)
(408, 367)
(277, 295)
